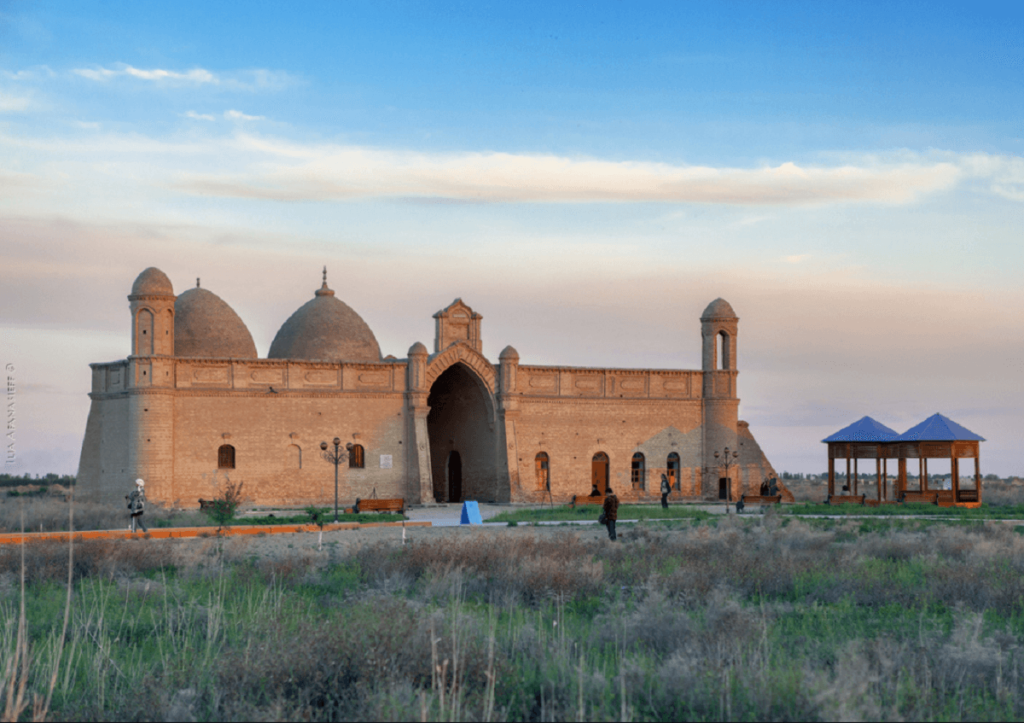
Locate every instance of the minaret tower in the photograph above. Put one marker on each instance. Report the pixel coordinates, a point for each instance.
(150, 382)
(152, 306)
(719, 325)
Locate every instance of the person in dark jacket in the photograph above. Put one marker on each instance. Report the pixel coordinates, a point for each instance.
(594, 492)
(611, 511)
(665, 489)
(137, 504)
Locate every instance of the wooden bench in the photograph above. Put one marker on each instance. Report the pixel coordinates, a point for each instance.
(586, 500)
(763, 500)
(396, 504)
(845, 499)
(928, 498)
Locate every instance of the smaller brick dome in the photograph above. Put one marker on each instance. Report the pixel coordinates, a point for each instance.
(718, 309)
(205, 326)
(509, 353)
(152, 282)
(418, 349)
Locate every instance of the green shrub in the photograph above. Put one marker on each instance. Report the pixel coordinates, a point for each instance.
(222, 509)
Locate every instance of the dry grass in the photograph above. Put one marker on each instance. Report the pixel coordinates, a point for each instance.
(50, 514)
(763, 618)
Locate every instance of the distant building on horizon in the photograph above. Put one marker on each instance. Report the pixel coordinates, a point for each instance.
(193, 406)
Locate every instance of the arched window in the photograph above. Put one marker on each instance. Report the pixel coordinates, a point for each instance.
(673, 471)
(294, 456)
(543, 471)
(226, 457)
(723, 350)
(637, 473)
(356, 458)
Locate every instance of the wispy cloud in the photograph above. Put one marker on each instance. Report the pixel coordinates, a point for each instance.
(796, 258)
(238, 115)
(247, 165)
(257, 79)
(339, 172)
(34, 73)
(198, 116)
(13, 103)
(196, 75)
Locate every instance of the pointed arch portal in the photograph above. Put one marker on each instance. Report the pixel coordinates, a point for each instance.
(463, 444)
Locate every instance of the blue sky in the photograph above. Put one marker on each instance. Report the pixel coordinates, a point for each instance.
(588, 176)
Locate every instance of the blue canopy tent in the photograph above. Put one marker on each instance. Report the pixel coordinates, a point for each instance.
(864, 439)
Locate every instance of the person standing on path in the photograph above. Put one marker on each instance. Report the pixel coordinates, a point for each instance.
(665, 489)
(136, 505)
(611, 511)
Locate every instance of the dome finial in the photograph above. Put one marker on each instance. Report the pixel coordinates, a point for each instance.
(323, 290)
(197, 282)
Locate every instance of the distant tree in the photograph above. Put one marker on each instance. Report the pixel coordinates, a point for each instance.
(12, 480)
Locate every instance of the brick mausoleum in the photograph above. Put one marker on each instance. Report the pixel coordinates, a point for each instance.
(194, 406)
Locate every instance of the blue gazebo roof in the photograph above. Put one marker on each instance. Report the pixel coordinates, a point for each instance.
(938, 428)
(864, 430)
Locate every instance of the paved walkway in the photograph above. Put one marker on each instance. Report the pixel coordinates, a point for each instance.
(447, 515)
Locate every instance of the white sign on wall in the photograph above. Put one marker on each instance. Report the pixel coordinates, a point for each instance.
(385, 461)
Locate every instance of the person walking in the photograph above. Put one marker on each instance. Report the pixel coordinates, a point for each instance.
(610, 511)
(136, 505)
(665, 489)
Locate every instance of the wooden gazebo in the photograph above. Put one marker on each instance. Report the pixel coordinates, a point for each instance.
(937, 437)
(864, 439)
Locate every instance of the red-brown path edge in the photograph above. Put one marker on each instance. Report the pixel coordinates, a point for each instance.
(164, 533)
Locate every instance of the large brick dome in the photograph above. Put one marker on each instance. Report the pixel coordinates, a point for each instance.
(325, 329)
(152, 282)
(205, 326)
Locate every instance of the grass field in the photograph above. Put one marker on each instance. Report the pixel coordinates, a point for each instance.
(767, 617)
(43, 514)
(326, 516)
(986, 511)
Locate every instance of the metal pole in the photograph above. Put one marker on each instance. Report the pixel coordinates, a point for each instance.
(336, 461)
(728, 482)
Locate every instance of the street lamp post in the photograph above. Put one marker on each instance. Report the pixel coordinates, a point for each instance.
(727, 458)
(334, 456)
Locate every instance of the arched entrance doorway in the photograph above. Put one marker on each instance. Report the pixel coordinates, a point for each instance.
(463, 447)
(599, 471)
